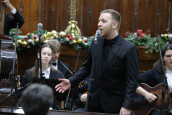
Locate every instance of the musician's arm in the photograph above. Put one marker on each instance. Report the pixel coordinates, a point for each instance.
(149, 96)
(17, 17)
(9, 5)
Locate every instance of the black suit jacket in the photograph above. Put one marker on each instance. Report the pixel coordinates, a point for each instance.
(115, 79)
(11, 22)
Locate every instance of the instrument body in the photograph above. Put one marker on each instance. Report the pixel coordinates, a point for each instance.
(142, 107)
(7, 56)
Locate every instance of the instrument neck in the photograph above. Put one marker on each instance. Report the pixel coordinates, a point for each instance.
(2, 18)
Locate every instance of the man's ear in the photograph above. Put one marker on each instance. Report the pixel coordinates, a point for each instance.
(115, 24)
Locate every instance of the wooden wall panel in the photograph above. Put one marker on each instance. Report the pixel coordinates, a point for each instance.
(88, 16)
(26, 28)
(63, 14)
(55, 14)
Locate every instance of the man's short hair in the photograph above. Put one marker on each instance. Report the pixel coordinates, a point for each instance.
(55, 45)
(115, 15)
(37, 99)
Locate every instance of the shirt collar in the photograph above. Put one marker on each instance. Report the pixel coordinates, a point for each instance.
(47, 73)
(111, 41)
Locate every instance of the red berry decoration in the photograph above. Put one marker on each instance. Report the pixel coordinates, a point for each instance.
(70, 38)
(85, 40)
(25, 38)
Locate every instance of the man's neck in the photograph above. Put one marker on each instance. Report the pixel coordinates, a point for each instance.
(112, 35)
(54, 61)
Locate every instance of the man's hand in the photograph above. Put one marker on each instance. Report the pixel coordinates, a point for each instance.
(63, 86)
(83, 98)
(125, 111)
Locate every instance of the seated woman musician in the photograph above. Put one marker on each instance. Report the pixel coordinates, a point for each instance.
(47, 70)
(156, 76)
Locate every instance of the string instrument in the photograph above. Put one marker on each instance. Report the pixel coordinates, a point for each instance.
(6, 48)
(85, 92)
(7, 57)
(142, 107)
(83, 84)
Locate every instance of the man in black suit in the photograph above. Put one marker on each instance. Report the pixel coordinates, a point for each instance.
(11, 22)
(55, 62)
(112, 62)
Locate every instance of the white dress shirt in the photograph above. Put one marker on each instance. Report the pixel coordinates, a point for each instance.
(14, 11)
(47, 73)
(55, 67)
(169, 79)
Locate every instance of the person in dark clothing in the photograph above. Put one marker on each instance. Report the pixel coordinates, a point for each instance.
(48, 71)
(156, 76)
(113, 64)
(11, 22)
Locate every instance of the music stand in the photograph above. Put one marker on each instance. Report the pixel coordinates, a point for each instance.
(52, 83)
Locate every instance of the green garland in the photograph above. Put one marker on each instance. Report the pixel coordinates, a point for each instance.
(144, 39)
(31, 39)
(138, 38)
